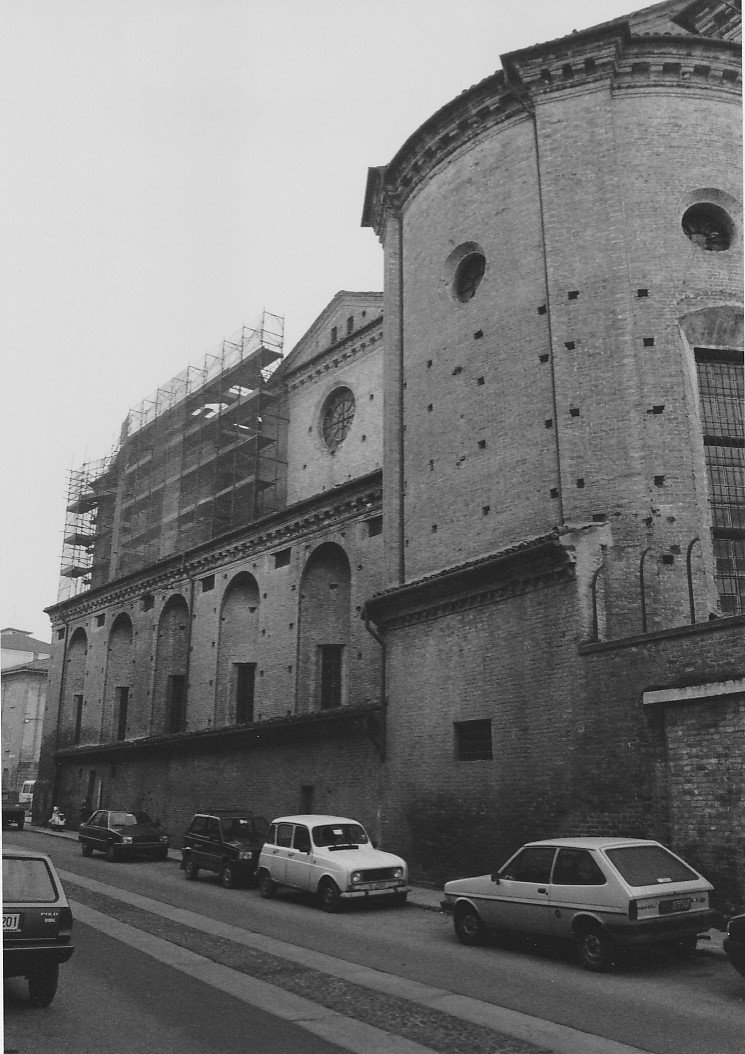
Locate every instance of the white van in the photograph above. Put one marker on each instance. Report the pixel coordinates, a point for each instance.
(26, 794)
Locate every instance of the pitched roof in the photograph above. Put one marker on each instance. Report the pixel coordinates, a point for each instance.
(21, 640)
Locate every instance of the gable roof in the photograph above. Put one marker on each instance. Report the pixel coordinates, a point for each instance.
(21, 640)
(317, 337)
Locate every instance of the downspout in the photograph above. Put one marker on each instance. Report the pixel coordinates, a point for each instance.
(63, 675)
(188, 638)
(400, 408)
(377, 636)
(529, 108)
(383, 712)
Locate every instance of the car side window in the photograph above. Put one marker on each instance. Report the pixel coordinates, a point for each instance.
(301, 841)
(576, 867)
(531, 865)
(198, 825)
(213, 829)
(94, 820)
(271, 834)
(103, 819)
(284, 835)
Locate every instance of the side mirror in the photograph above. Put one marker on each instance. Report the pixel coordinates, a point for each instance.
(495, 878)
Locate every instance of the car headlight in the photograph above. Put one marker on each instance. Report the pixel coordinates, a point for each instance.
(356, 876)
(399, 873)
(126, 839)
(245, 856)
(164, 838)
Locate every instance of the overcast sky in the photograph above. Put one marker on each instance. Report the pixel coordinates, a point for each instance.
(173, 167)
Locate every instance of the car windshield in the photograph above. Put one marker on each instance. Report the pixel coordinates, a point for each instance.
(128, 819)
(339, 834)
(27, 881)
(649, 865)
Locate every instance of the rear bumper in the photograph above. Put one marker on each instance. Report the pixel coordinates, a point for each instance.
(20, 961)
(132, 852)
(660, 931)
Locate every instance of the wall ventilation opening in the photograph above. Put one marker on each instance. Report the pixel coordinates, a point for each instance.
(642, 293)
(572, 294)
(648, 342)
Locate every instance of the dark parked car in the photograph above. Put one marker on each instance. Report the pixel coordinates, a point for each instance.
(13, 811)
(734, 942)
(37, 923)
(119, 834)
(226, 841)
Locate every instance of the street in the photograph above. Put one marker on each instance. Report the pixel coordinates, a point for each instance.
(164, 964)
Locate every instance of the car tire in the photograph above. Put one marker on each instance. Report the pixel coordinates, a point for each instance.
(86, 849)
(329, 896)
(111, 853)
(469, 929)
(20, 824)
(42, 985)
(594, 948)
(267, 888)
(191, 869)
(228, 878)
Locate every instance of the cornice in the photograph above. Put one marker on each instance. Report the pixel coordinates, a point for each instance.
(607, 57)
(332, 509)
(337, 355)
(519, 569)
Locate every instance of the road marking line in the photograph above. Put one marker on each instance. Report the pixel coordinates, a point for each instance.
(345, 1032)
(559, 1039)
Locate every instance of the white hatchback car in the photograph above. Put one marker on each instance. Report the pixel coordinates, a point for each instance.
(598, 892)
(330, 856)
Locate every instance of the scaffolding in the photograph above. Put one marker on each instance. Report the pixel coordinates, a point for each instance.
(86, 547)
(201, 456)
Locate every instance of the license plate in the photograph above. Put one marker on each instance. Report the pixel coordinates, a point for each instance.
(379, 885)
(11, 922)
(667, 907)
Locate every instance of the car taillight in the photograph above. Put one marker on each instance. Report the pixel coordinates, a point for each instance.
(633, 910)
(65, 922)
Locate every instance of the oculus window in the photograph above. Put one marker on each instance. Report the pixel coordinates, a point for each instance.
(337, 417)
(708, 226)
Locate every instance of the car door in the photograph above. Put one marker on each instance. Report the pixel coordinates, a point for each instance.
(299, 867)
(194, 839)
(99, 829)
(212, 845)
(521, 896)
(577, 883)
(277, 854)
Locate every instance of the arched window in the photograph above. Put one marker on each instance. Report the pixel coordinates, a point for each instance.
(73, 729)
(171, 668)
(325, 599)
(118, 680)
(237, 652)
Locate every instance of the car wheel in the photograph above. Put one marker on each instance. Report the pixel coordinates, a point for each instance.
(42, 985)
(469, 929)
(594, 948)
(20, 824)
(190, 867)
(227, 875)
(86, 849)
(267, 888)
(111, 852)
(329, 897)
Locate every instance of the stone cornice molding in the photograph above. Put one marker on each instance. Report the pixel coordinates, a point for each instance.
(604, 57)
(349, 502)
(522, 568)
(345, 351)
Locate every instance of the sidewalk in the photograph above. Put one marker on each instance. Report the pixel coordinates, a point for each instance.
(420, 896)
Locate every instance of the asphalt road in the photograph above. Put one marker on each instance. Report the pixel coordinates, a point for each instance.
(653, 1004)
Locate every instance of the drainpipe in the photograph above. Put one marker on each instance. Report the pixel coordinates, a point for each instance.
(689, 572)
(641, 590)
(377, 636)
(529, 108)
(188, 637)
(63, 675)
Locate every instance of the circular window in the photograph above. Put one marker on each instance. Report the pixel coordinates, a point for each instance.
(337, 418)
(468, 275)
(708, 226)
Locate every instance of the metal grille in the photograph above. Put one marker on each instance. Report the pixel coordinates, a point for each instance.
(720, 379)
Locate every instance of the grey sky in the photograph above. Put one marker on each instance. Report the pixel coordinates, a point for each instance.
(171, 167)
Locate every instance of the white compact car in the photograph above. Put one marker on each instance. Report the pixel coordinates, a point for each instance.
(601, 893)
(330, 856)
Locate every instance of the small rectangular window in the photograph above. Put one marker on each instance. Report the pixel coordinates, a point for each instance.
(374, 526)
(208, 583)
(245, 680)
(78, 717)
(473, 740)
(122, 706)
(60, 634)
(176, 703)
(100, 620)
(282, 558)
(350, 323)
(148, 602)
(334, 333)
(330, 660)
